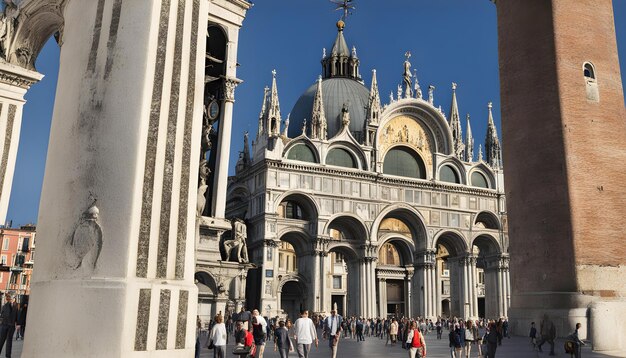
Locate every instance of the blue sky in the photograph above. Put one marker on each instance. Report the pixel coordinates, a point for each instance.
(450, 41)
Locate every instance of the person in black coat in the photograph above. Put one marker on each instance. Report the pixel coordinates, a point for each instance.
(8, 318)
(21, 321)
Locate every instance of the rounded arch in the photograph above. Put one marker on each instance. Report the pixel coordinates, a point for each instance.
(307, 204)
(298, 238)
(404, 161)
(354, 225)
(457, 166)
(216, 48)
(297, 278)
(206, 279)
(483, 170)
(487, 244)
(407, 214)
(348, 148)
(38, 21)
(302, 149)
(589, 70)
(423, 112)
(488, 220)
(348, 251)
(452, 240)
(404, 245)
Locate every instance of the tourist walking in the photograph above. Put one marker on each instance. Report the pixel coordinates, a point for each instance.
(533, 335)
(305, 334)
(415, 342)
(8, 317)
(471, 336)
(282, 342)
(259, 334)
(455, 342)
(575, 342)
(332, 330)
(393, 331)
(548, 333)
(218, 337)
(492, 340)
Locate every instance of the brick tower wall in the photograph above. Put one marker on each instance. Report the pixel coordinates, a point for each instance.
(564, 154)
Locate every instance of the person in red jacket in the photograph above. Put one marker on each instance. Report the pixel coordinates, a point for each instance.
(415, 341)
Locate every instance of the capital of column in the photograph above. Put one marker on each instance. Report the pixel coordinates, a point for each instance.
(17, 76)
(370, 250)
(230, 83)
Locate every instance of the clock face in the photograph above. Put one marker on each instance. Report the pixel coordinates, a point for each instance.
(213, 110)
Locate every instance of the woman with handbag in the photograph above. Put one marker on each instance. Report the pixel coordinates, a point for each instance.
(217, 338)
(415, 342)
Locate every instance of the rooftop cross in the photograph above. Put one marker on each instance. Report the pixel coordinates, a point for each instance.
(345, 6)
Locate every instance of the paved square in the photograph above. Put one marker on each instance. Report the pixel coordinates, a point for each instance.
(516, 347)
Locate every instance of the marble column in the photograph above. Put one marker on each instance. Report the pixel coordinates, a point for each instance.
(115, 273)
(14, 82)
(362, 288)
(382, 297)
(315, 284)
(323, 282)
(220, 184)
(473, 291)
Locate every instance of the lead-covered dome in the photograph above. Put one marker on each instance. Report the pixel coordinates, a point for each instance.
(336, 92)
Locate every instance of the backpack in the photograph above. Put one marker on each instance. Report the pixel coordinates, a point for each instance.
(416, 342)
(457, 340)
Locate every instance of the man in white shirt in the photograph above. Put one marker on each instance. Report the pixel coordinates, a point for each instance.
(332, 329)
(305, 334)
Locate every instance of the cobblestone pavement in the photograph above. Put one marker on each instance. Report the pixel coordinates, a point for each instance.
(516, 347)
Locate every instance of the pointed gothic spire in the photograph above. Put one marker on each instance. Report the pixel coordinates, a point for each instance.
(469, 142)
(319, 124)
(455, 125)
(417, 89)
(492, 143)
(273, 110)
(246, 149)
(480, 153)
(373, 106)
(263, 113)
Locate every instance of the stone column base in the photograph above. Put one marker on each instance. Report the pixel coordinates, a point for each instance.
(595, 318)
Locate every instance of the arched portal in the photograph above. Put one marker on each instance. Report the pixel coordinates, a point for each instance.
(292, 298)
(393, 276)
(207, 293)
(492, 289)
(450, 250)
(344, 268)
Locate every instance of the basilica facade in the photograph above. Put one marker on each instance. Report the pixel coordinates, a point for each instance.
(379, 209)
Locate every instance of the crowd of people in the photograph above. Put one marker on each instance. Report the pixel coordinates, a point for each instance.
(466, 338)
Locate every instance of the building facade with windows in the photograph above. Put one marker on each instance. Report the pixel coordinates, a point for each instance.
(17, 256)
(381, 209)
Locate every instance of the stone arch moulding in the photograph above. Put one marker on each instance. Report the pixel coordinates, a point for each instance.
(455, 238)
(302, 140)
(488, 241)
(354, 254)
(297, 278)
(349, 216)
(484, 170)
(456, 165)
(490, 218)
(301, 198)
(357, 153)
(403, 210)
(426, 161)
(407, 245)
(37, 21)
(303, 243)
(427, 116)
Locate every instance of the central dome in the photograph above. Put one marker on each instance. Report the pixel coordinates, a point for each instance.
(336, 92)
